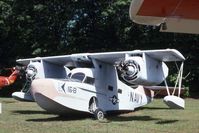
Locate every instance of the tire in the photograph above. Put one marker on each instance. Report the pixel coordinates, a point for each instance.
(99, 114)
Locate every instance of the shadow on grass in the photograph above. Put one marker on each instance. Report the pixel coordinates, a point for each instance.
(30, 112)
(109, 118)
(73, 117)
(153, 108)
(141, 118)
(69, 117)
(60, 118)
(54, 118)
(131, 118)
(167, 121)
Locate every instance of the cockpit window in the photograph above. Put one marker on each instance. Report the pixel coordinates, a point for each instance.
(89, 80)
(78, 76)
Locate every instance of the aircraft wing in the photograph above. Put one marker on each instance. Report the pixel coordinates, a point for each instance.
(68, 60)
(176, 15)
(165, 55)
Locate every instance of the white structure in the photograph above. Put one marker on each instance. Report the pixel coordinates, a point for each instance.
(98, 83)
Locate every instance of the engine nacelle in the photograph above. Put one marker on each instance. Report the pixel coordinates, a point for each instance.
(142, 70)
(34, 70)
(43, 69)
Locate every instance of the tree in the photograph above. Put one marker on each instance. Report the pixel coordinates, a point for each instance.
(44, 28)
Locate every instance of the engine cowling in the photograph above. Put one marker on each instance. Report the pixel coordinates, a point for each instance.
(34, 70)
(143, 70)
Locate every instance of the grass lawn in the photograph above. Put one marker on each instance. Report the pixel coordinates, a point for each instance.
(24, 117)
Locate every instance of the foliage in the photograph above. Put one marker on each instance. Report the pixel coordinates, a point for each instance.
(186, 92)
(41, 28)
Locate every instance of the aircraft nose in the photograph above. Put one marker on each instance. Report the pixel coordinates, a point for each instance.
(44, 93)
(43, 87)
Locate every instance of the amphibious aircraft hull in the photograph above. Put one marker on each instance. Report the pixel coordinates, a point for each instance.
(50, 105)
(54, 97)
(67, 97)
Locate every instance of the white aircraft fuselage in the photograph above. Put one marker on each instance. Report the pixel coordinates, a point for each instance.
(85, 87)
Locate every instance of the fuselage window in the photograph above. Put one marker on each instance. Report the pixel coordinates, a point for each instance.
(89, 80)
(78, 76)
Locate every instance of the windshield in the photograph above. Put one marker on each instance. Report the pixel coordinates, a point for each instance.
(78, 76)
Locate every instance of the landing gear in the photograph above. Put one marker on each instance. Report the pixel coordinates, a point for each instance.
(99, 114)
(93, 104)
(95, 110)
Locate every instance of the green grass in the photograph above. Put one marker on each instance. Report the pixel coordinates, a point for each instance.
(23, 117)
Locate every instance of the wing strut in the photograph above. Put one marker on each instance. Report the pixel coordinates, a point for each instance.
(165, 82)
(179, 80)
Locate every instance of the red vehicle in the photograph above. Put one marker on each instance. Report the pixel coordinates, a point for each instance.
(6, 81)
